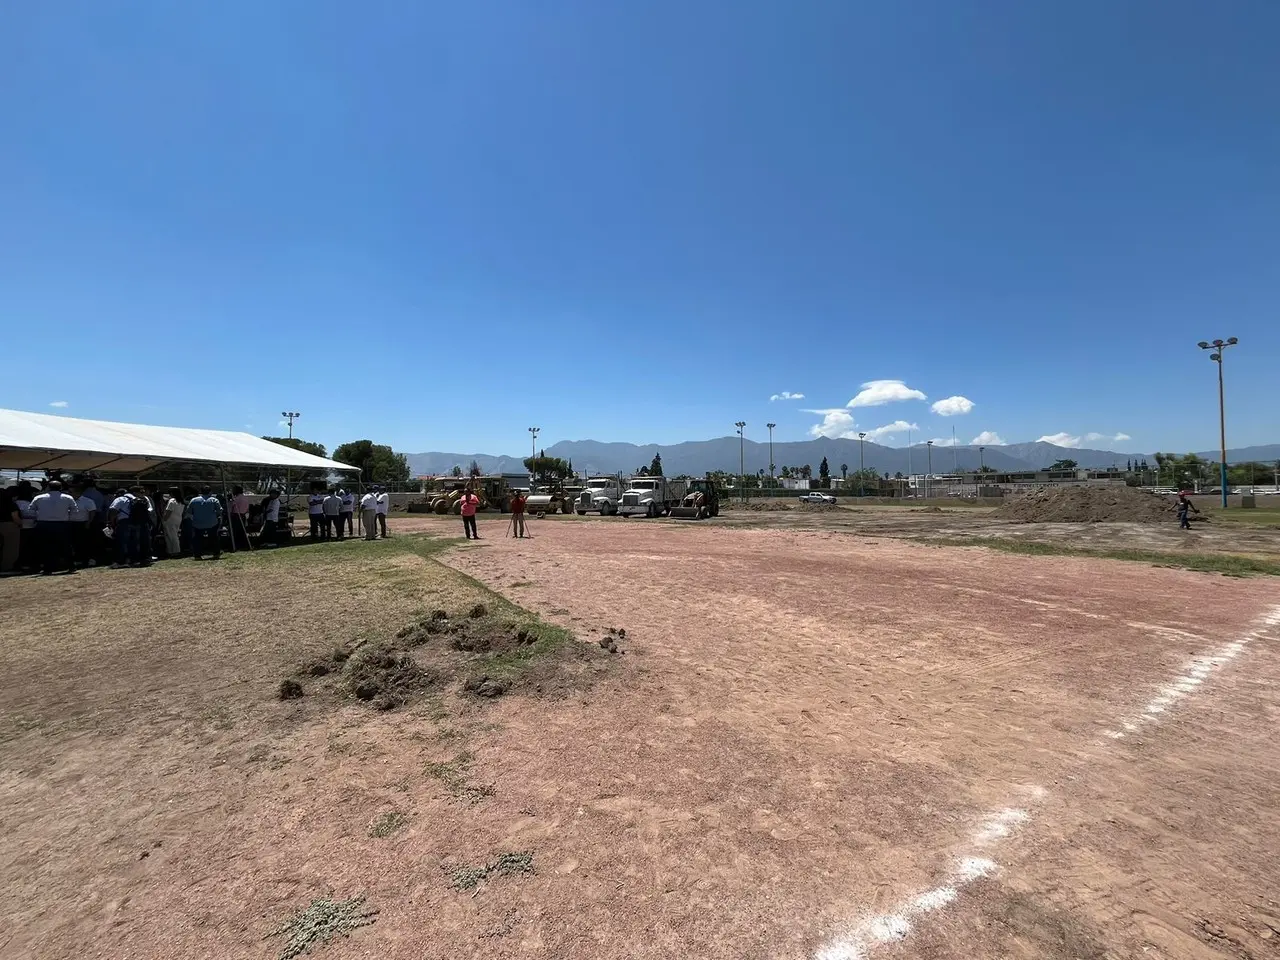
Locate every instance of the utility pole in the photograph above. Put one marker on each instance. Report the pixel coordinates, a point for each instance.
(862, 466)
(928, 480)
(1219, 346)
(772, 482)
(982, 468)
(291, 417)
(955, 454)
(533, 455)
(742, 479)
(908, 455)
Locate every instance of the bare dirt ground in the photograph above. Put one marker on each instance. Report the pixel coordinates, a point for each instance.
(812, 745)
(1212, 535)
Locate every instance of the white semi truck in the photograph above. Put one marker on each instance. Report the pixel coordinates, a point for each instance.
(601, 495)
(651, 496)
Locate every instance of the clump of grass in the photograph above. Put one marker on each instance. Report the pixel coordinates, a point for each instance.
(323, 920)
(1227, 564)
(387, 823)
(453, 774)
(503, 865)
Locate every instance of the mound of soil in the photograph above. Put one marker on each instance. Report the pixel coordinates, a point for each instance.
(758, 506)
(1109, 504)
(488, 654)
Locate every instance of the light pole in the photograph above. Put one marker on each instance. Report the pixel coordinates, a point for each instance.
(908, 454)
(741, 425)
(772, 484)
(982, 468)
(1218, 346)
(533, 454)
(861, 465)
(928, 478)
(291, 417)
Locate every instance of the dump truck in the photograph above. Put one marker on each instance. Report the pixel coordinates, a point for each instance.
(601, 494)
(701, 500)
(651, 496)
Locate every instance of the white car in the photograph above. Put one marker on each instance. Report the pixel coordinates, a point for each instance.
(817, 498)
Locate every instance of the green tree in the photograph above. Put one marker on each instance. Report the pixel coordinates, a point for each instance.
(844, 471)
(547, 470)
(1063, 465)
(786, 473)
(378, 463)
(457, 470)
(806, 472)
(824, 471)
(655, 465)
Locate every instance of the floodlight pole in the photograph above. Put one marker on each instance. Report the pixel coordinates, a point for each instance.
(771, 478)
(1219, 346)
(928, 478)
(742, 470)
(533, 455)
(291, 417)
(862, 466)
(982, 466)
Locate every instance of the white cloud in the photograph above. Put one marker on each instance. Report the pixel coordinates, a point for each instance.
(987, 438)
(952, 406)
(1063, 439)
(837, 422)
(282, 423)
(890, 430)
(943, 442)
(59, 404)
(786, 395)
(875, 393)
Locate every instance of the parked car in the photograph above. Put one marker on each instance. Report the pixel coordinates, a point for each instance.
(817, 498)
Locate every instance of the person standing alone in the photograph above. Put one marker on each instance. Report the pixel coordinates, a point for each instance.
(469, 504)
(55, 513)
(368, 515)
(206, 517)
(383, 504)
(1184, 506)
(517, 513)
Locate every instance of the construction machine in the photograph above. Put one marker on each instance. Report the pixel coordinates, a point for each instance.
(700, 502)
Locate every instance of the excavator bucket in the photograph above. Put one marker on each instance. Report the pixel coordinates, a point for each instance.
(692, 507)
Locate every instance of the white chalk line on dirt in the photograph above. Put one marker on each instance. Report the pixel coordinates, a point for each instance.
(857, 942)
(1193, 676)
(863, 937)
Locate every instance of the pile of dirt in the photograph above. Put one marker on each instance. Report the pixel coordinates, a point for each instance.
(1109, 504)
(758, 506)
(485, 654)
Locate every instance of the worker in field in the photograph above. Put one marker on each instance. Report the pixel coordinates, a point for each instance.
(315, 512)
(1185, 506)
(518, 502)
(469, 503)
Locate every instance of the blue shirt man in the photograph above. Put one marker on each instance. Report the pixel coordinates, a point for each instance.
(206, 511)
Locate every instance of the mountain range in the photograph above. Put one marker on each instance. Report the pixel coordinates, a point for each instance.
(696, 457)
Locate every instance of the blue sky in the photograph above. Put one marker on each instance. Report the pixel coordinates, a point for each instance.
(436, 225)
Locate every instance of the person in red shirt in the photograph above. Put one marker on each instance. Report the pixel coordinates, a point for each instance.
(517, 513)
(469, 503)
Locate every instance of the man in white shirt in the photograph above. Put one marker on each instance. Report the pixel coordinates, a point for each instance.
(383, 504)
(315, 513)
(332, 510)
(368, 515)
(121, 529)
(85, 524)
(54, 512)
(348, 508)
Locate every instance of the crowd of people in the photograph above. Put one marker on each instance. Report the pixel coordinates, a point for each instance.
(62, 525)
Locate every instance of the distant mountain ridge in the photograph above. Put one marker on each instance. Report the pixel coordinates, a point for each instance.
(696, 457)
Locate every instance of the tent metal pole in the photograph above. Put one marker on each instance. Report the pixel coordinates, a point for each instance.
(222, 469)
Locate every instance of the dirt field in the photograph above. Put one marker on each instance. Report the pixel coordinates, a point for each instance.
(812, 744)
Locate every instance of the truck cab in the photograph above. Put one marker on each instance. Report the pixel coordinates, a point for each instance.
(601, 495)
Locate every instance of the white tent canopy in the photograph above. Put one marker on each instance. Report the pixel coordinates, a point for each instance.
(40, 441)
